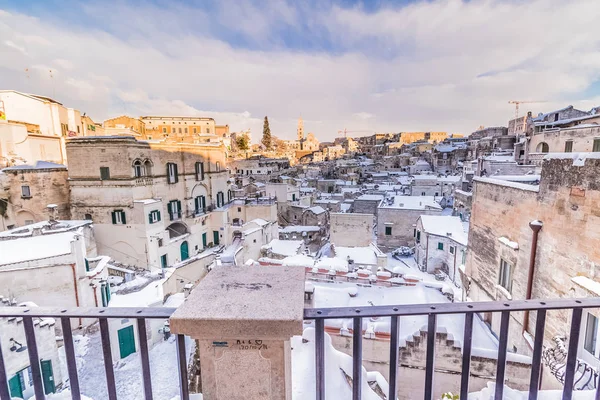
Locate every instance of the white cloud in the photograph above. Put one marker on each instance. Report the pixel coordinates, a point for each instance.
(439, 65)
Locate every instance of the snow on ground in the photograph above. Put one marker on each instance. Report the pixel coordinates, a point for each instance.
(336, 364)
(510, 394)
(128, 375)
(335, 294)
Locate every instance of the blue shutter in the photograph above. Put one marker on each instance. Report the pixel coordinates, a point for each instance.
(123, 217)
(150, 217)
(178, 209)
(176, 175)
(158, 215)
(114, 217)
(170, 209)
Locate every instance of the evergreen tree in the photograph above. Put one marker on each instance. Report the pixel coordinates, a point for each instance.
(243, 143)
(266, 138)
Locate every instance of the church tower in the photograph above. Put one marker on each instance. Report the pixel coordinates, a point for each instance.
(300, 130)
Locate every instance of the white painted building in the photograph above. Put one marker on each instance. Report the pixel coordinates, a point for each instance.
(441, 243)
(54, 264)
(16, 356)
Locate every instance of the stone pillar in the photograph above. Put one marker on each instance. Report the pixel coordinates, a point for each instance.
(243, 319)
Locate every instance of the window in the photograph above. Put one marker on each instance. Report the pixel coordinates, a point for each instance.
(440, 246)
(452, 250)
(207, 130)
(87, 217)
(418, 236)
(195, 130)
(160, 242)
(220, 199)
(239, 209)
(118, 217)
(185, 130)
(505, 276)
(163, 261)
(596, 147)
(199, 171)
(388, 231)
(591, 334)
(174, 208)
(164, 130)
(138, 169)
(180, 130)
(422, 193)
(154, 216)
(104, 173)
(172, 173)
(25, 191)
(569, 146)
(218, 166)
(199, 204)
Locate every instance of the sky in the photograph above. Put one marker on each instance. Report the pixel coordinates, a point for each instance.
(365, 66)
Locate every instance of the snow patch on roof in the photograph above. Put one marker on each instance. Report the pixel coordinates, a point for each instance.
(514, 185)
(445, 226)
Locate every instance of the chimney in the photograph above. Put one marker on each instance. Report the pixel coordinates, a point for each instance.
(52, 212)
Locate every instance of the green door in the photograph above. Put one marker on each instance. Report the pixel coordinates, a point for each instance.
(204, 240)
(185, 252)
(126, 341)
(216, 238)
(14, 385)
(48, 376)
(163, 261)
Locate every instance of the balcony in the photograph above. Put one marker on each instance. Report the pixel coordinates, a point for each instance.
(263, 330)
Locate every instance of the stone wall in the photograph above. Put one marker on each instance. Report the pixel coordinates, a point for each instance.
(403, 223)
(567, 204)
(448, 363)
(46, 186)
(366, 206)
(351, 230)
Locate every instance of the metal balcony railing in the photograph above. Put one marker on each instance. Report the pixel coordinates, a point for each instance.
(319, 315)
(102, 314)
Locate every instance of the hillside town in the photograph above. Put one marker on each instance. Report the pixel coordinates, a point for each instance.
(137, 211)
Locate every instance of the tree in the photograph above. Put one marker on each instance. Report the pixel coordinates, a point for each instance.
(242, 143)
(266, 138)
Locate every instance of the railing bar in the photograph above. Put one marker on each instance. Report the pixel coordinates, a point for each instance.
(394, 357)
(320, 358)
(572, 354)
(34, 358)
(88, 312)
(184, 390)
(71, 361)
(502, 346)
(466, 358)
(357, 358)
(430, 363)
(597, 397)
(108, 362)
(4, 393)
(451, 308)
(536, 359)
(145, 357)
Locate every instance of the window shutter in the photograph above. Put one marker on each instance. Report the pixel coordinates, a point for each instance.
(197, 204)
(178, 208)
(150, 217)
(123, 217)
(170, 209)
(114, 217)
(168, 174)
(176, 175)
(201, 171)
(158, 215)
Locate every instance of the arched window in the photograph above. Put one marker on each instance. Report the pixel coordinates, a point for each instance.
(138, 169)
(220, 199)
(542, 148)
(148, 167)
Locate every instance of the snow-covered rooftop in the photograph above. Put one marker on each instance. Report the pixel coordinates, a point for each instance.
(412, 203)
(44, 227)
(36, 247)
(299, 228)
(371, 197)
(317, 210)
(285, 247)
(514, 185)
(38, 165)
(360, 255)
(446, 226)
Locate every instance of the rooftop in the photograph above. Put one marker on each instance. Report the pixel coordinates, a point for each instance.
(446, 226)
(411, 203)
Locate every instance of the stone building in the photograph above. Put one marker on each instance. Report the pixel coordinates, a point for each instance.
(155, 204)
(27, 190)
(351, 229)
(538, 242)
(367, 203)
(397, 217)
(440, 244)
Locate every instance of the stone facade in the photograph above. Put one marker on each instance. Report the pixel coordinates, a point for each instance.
(351, 230)
(567, 204)
(28, 190)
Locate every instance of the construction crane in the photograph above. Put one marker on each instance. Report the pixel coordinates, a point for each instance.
(346, 132)
(517, 102)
